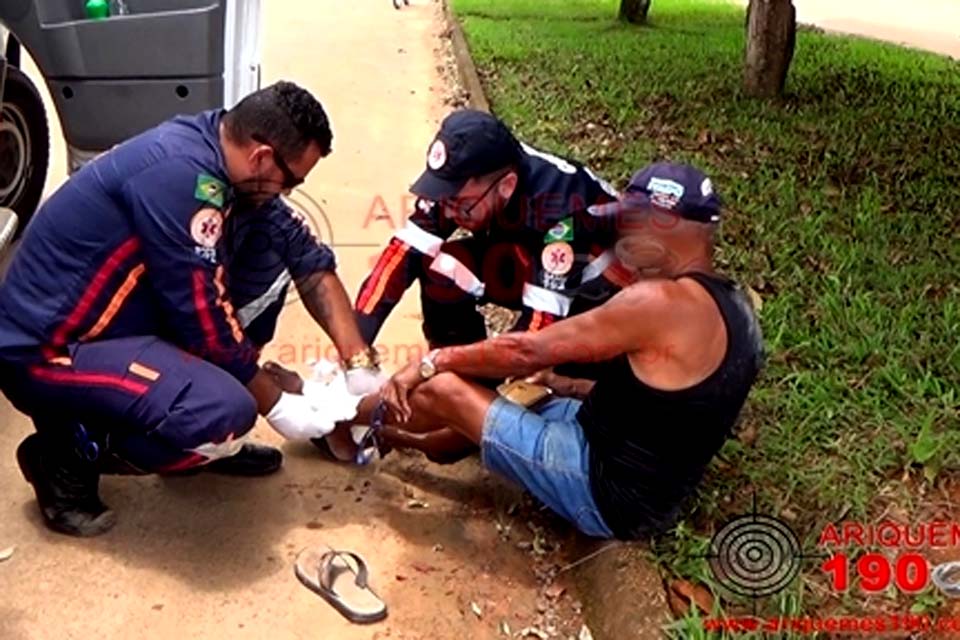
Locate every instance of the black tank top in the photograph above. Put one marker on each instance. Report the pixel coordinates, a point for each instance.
(649, 448)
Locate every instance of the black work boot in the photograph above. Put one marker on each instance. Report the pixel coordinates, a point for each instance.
(251, 460)
(66, 489)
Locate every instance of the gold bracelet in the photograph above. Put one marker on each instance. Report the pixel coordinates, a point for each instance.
(366, 359)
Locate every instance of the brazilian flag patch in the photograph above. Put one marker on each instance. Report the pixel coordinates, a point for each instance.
(560, 232)
(209, 189)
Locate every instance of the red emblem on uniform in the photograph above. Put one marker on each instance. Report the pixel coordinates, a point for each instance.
(206, 227)
(557, 258)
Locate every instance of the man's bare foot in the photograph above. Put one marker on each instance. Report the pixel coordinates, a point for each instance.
(341, 444)
(441, 446)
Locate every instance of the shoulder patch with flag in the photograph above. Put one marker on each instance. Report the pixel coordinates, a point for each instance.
(560, 232)
(210, 190)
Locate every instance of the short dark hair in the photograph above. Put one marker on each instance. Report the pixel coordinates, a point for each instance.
(283, 114)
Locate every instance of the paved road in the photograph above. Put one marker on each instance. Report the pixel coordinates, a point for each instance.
(924, 24)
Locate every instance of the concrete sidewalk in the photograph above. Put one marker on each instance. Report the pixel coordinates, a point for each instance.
(933, 25)
(211, 557)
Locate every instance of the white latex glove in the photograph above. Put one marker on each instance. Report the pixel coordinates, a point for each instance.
(295, 418)
(361, 382)
(328, 393)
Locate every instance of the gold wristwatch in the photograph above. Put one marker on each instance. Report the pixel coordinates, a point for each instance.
(428, 367)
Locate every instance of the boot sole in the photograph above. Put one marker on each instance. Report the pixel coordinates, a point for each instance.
(91, 527)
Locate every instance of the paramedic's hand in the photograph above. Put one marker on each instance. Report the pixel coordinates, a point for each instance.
(289, 381)
(295, 418)
(365, 380)
(396, 392)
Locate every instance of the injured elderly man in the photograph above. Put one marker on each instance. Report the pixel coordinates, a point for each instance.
(676, 350)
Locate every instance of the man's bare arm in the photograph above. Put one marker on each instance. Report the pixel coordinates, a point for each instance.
(563, 385)
(625, 323)
(327, 302)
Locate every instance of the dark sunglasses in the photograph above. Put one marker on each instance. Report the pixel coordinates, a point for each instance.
(290, 179)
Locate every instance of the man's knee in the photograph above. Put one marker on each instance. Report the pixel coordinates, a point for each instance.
(443, 387)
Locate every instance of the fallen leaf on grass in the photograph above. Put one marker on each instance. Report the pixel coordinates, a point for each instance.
(7, 553)
(683, 594)
(748, 435)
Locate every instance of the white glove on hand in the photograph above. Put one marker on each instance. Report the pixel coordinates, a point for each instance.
(327, 391)
(361, 382)
(295, 418)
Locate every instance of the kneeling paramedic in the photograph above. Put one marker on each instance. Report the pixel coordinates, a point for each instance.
(134, 312)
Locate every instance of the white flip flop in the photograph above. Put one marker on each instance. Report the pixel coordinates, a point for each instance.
(341, 578)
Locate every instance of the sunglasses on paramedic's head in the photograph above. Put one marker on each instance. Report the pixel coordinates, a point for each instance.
(290, 179)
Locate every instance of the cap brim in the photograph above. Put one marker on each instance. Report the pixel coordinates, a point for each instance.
(630, 202)
(431, 187)
(640, 202)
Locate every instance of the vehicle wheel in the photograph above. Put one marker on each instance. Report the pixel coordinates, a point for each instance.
(24, 146)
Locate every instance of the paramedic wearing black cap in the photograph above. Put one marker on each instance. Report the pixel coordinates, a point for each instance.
(678, 351)
(531, 243)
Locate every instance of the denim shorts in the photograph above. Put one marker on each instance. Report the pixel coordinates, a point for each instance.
(546, 452)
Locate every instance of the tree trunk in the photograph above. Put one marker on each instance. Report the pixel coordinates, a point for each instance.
(771, 33)
(634, 11)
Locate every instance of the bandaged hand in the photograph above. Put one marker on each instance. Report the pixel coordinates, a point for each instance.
(365, 380)
(295, 417)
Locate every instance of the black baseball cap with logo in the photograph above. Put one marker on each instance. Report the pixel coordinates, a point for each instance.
(470, 144)
(677, 188)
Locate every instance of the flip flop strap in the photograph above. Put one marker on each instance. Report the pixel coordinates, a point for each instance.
(379, 415)
(327, 568)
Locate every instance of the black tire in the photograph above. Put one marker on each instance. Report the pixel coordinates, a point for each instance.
(24, 146)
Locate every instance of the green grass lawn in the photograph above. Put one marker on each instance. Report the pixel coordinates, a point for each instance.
(844, 214)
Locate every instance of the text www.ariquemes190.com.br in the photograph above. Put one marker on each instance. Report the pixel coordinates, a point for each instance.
(853, 625)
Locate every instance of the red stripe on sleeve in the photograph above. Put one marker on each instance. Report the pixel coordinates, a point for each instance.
(203, 312)
(377, 273)
(93, 291)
